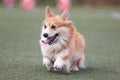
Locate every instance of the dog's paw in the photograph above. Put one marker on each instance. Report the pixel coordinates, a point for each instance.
(74, 68)
(47, 63)
(82, 66)
(58, 66)
(49, 67)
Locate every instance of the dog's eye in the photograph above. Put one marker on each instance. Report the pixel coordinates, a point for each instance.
(53, 26)
(45, 26)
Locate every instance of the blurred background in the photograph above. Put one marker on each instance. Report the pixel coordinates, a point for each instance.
(55, 3)
(20, 27)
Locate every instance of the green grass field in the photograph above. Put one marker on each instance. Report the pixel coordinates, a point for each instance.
(21, 59)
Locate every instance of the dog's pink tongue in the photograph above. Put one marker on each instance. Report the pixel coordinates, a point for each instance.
(47, 41)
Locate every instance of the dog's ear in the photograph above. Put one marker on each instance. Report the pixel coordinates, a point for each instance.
(65, 15)
(48, 12)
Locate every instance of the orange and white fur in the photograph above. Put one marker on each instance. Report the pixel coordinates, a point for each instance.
(61, 44)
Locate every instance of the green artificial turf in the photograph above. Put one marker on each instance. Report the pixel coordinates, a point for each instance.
(21, 59)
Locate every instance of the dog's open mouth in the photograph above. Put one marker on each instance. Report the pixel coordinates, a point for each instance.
(50, 40)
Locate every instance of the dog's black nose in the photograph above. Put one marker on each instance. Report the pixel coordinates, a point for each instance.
(45, 35)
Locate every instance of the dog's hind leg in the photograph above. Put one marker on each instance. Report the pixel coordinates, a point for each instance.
(74, 66)
(66, 68)
(81, 62)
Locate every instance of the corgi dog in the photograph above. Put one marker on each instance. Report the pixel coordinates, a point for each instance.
(61, 44)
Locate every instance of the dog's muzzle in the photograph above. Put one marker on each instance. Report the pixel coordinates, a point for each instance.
(49, 40)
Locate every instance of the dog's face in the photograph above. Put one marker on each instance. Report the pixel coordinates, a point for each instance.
(55, 28)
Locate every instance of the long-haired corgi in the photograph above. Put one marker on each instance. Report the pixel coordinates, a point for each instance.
(61, 44)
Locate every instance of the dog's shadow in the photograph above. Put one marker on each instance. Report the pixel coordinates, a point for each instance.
(81, 71)
(86, 71)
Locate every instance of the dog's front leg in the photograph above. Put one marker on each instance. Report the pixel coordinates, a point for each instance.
(62, 65)
(59, 64)
(47, 63)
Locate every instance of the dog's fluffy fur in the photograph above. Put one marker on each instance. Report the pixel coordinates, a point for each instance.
(61, 45)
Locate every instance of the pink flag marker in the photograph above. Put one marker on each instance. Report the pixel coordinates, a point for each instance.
(8, 3)
(63, 4)
(27, 4)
